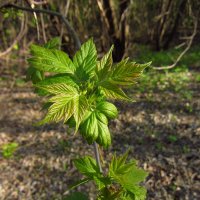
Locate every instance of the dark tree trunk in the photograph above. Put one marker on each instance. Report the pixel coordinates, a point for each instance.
(175, 26)
(116, 32)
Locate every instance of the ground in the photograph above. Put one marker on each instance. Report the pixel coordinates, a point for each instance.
(161, 128)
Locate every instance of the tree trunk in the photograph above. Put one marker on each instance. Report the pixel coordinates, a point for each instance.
(116, 32)
(175, 26)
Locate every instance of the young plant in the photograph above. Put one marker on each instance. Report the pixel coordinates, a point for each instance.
(78, 95)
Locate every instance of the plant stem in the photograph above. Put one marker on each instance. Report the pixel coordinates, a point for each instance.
(96, 151)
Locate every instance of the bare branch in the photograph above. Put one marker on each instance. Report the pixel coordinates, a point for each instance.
(32, 5)
(191, 38)
(17, 39)
(65, 12)
(50, 12)
(97, 156)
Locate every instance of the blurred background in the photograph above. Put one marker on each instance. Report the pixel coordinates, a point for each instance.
(161, 128)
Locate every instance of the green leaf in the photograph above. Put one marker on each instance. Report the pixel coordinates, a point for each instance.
(54, 43)
(101, 181)
(112, 91)
(59, 88)
(126, 73)
(76, 196)
(85, 59)
(87, 166)
(66, 102)
(34, 75)
(95, 128)
(61, 109)
(104, 66)
(59, 78)
(111, 193)
(128, 175)
(118, 166)
(63, 102)
(135, 175)
(50, 60)
(80, 109)
(107, 109)
(89, 129)
(126, 195)
(83, 181)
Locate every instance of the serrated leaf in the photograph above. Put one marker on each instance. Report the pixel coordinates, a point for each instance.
(80, 109)
(112, 91)
(95, 127)
(126, 73)
(135, 192)
(85, 59)
(50, 60)
(102, 181)
(59, 78)
(63, 102)
(76, 196)
(107, 109)
(135, 175)
(126, 195)
(128, 175)
(61, 109)
(119, 167)
(104, 137)
(54, 43)
(87, 166)
(89, 129)
(59, 88)
(104, 66)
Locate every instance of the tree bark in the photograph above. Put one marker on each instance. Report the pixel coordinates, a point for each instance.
(175, 26)
(116, 32)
